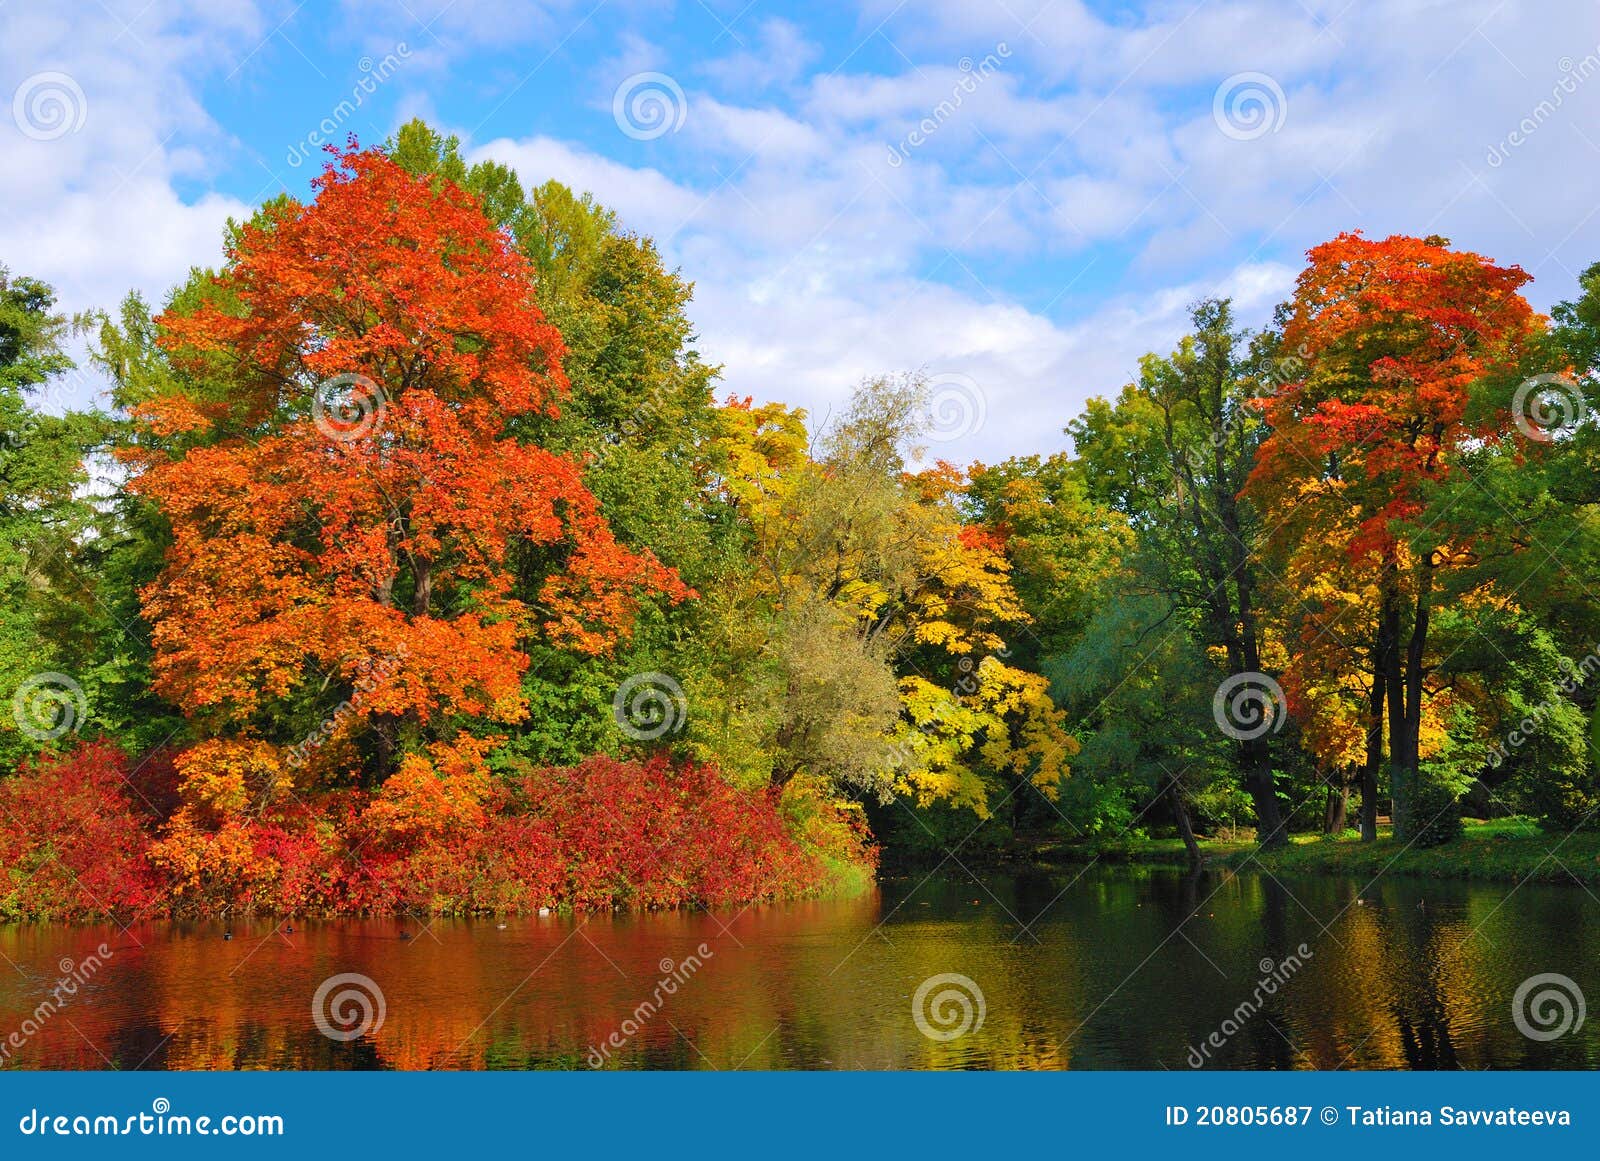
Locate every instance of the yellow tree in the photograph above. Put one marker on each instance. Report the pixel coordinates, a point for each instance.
(865, 633)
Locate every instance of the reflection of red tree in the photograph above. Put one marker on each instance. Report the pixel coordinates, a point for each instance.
(460, 994)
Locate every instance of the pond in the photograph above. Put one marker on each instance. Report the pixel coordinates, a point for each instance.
(1107, 968)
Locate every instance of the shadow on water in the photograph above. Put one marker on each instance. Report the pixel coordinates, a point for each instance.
(1105, 968)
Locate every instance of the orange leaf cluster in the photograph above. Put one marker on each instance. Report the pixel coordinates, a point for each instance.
(352, 507)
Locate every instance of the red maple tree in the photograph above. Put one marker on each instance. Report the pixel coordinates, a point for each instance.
(1394, 340)
(357, 541)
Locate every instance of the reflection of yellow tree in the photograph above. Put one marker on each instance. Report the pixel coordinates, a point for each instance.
(1103, 982)
(1357, 1027)
(1401, 970)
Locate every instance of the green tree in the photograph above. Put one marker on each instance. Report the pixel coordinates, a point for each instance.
(46, 587)
(1172, 454)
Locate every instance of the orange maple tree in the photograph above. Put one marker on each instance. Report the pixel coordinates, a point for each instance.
(1394, 339)
(358, 545)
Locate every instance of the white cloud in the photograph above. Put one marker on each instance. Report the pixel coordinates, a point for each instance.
(809, 246)
(645, 200)
(1091, 152)
(93, 210)
(778, 57)
(801, 315)
(455, 26)
(772, 136)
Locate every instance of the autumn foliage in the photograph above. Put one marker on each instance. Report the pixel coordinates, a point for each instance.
(80, 843)
(429, 475)
(605, 834)
(363, 544)
(1396, 347)
(74, 838)
(383, 337)
(1392, 337)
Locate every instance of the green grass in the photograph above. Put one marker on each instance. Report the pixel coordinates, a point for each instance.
(1508, 850)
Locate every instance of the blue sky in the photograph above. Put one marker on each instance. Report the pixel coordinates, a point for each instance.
(1019, 198)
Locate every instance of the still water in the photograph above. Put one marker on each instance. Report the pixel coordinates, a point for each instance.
(1113, 968)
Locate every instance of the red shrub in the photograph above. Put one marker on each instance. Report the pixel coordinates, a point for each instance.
(654, 835)
(604, 834)
(73, 839)
(287, 860)
(79, 839)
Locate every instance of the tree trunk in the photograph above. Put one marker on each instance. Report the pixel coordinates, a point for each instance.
(422, 593)
(385, 729)
(1229, 569)
(1259, 781)
(1394, 694)
(1369, 770)
(1410, 747)
(1337, 816)
(1263, 793)
(1180, 812)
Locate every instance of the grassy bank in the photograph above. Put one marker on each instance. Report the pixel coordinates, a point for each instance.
(1507, 850)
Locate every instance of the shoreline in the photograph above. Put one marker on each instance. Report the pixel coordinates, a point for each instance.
(1510, 850)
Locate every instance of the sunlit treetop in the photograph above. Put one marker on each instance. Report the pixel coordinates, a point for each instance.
(385, 275)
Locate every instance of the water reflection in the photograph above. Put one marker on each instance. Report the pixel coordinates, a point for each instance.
(1124, 968)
